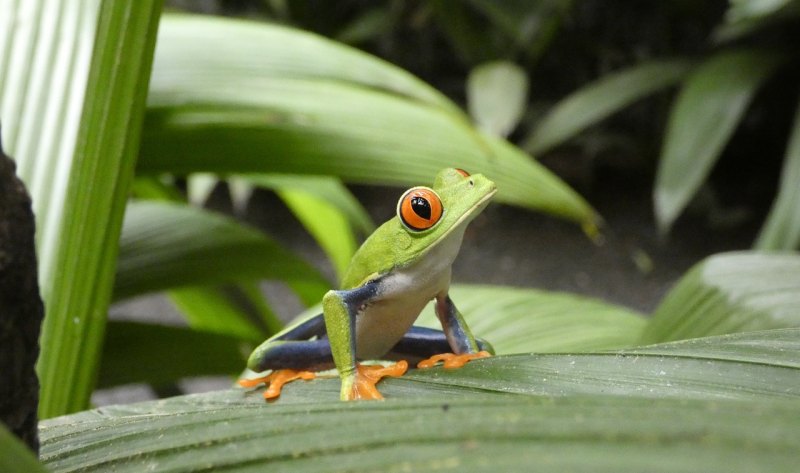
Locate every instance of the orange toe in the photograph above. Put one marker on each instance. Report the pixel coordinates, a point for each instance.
(451, 360)
(276, 380)
(367, 376)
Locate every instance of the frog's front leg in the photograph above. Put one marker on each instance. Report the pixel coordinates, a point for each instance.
(459, 337)
(340, 309)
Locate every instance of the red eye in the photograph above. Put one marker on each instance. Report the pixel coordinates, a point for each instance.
(419, 208)
(462, 172)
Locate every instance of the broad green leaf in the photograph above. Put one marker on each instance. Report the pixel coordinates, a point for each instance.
(246, 113)
(16, 457)
(728, 293)
(213, 48)
(754, 365)
(465, 435)
(781, 231)
(71, 113)
(165, 246)
(158, 354)
(497, 94)
(624, 411)
(598, 100)
(527, 320)
(704, 116)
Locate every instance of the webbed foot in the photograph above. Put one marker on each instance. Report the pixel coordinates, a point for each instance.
(275, 381)
(363, 383)
(451, 360)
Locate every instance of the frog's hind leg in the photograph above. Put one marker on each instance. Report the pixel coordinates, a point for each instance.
(423, 344)
(291, 356)
(288, 360)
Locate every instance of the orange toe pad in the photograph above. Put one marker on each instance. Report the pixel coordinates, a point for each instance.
(451, 360)
(276, 380)
(367, 376)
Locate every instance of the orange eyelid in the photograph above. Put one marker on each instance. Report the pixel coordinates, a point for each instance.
(416, 219)
(462, 172)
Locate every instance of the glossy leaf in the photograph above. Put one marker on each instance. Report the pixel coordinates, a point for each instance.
(165, 246)
(781, 231)
(497, 94)
(16, 457)
(217, 106)
(728, 293)
(711, 104)
(653, 403)
(158, 354)
(71, 114)
(602, 98)
(527, 320)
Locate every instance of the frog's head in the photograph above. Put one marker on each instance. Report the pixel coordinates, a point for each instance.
(429, 214)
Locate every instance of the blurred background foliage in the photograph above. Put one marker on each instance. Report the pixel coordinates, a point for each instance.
(648, 96)
(589, 80)
(259, 146)
(694, 103)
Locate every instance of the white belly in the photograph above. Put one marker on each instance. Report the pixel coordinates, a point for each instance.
(403, 295)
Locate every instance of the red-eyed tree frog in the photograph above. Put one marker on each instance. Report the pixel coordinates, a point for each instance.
(401, 267)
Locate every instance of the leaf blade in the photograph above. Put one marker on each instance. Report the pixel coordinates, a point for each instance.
(602, 98)
(781, 231)
(497, 94)
(445, 408)
(729, 293)
(76, 118)
(320, 124)
(703, 118)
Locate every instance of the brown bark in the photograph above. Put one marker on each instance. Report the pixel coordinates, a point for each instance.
(21, 308)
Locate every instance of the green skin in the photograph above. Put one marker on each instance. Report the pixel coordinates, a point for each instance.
(392, 276)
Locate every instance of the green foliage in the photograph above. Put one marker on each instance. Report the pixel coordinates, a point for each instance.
(160, 249)
(598, 100)
(687, 407)
(732, 292)
(497, 96)
(712, 102)
(217, 94)
(71, 113)
(782, 228)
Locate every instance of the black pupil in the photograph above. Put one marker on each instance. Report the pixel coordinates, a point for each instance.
(421, 207)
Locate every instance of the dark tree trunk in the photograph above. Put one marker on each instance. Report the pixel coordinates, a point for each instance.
(21, 308)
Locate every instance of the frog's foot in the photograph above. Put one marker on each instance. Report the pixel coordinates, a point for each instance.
(451, 360)
(367, 376)
(275, 381)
